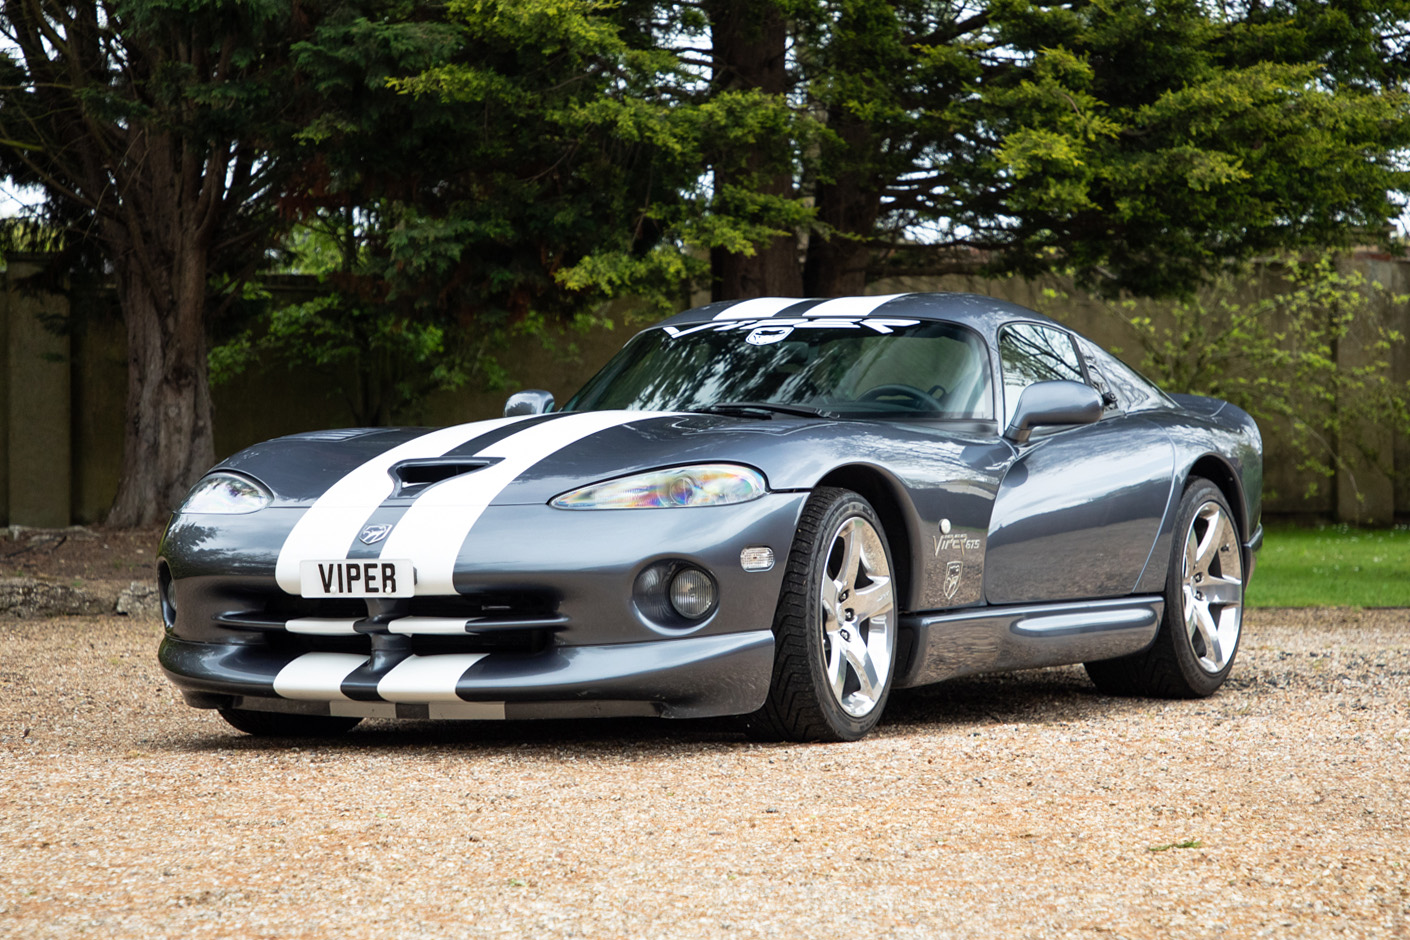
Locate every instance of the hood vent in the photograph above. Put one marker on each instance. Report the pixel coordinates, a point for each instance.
(413, 476)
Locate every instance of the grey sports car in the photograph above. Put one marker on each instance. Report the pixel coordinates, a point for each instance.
(775, 508)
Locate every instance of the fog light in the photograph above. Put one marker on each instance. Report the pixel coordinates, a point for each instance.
(692, 593)
(756, 558)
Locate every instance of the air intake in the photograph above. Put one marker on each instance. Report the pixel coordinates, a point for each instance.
(412, 476)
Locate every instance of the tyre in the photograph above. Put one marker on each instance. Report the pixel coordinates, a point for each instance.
(287, 725)
(1204, 595)
(835, 626)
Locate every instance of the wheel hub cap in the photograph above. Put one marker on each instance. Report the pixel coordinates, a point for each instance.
(1213, 588)
(859, 611)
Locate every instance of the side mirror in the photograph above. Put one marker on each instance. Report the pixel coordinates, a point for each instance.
(1048, 404)
(531, 401)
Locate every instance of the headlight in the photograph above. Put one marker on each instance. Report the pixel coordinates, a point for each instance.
(714, 484)
(226, 493)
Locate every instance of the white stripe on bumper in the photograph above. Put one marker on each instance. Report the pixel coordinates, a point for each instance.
(317, 677)
(321, 626)
(426, 678)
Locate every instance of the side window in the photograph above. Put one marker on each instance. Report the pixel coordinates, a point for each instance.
(1132, 392)
(1031, 353)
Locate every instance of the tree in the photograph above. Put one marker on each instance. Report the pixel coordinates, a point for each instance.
(1277, 357)
(1142, 144)
(148, 126)
(454, 169)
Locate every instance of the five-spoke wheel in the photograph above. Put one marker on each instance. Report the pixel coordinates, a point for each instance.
(1212, 592)
(835, 628)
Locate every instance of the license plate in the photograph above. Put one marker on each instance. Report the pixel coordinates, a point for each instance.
(344, 577)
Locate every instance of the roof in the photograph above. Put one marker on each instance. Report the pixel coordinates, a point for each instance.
(974, 310)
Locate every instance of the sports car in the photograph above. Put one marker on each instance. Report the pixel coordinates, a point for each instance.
(777, 508)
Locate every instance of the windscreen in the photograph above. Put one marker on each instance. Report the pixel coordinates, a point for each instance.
(922, 369)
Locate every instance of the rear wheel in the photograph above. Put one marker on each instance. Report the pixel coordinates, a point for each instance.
(835, 627)
(286, 725)
(1204, 594)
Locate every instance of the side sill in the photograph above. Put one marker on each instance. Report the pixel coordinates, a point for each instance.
(998, 639)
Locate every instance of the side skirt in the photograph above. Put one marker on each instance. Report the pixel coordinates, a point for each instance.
(996, 639)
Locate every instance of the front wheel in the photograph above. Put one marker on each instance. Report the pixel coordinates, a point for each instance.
(1204, 596)
(835, 627)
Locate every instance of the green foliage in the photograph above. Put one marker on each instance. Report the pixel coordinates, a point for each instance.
(1332, 566)
(381, 365)
(1277, 357)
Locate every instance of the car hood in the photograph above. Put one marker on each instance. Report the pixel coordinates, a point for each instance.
(531, 460)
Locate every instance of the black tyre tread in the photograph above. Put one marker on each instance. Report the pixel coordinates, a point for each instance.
(793, 711)
(286, 725)
(1157, 671)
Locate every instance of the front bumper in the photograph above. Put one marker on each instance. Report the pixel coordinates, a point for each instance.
(544, 621)
(690, 677)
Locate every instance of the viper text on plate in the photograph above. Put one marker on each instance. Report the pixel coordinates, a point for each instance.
(776, 508)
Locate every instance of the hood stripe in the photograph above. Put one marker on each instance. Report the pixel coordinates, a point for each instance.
(436, 526)
(331, 524)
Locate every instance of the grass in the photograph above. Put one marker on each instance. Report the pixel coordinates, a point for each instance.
(1187, 844)
(1332, 566)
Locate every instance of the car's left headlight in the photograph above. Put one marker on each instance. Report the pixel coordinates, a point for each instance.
(711, 484)
(225, 492)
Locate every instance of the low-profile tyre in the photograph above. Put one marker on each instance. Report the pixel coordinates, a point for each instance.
(285, 725)
(835, 627)
(1204, 596)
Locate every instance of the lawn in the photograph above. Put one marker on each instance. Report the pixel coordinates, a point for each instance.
(1332, 566)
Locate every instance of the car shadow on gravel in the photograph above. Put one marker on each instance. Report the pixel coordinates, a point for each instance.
(1029, 697)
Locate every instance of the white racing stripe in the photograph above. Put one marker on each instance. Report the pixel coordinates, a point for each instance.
(334, 520)
(422, 626)
(850, 306)
(321, 626)
(422, 679)
(758, 308)
(437, 524)
(317, 677)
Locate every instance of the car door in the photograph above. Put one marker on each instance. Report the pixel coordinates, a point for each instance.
(1078, 510)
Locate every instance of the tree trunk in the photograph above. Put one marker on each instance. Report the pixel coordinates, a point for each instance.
(850, 205)
(167, 440)
(750, 45)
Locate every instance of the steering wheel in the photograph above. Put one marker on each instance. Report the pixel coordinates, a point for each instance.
(918, 400)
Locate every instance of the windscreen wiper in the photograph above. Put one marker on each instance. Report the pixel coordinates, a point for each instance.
(760, 409)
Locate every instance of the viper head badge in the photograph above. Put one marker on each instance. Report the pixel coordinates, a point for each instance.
(373, 534)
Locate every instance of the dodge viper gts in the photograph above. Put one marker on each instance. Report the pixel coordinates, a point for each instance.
(776, 508)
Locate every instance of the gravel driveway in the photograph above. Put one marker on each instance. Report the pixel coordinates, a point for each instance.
(1022, 805)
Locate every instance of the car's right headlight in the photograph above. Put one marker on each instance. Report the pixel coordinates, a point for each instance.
(714, 484)
(225, 492)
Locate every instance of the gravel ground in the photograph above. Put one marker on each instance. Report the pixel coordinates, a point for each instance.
(1021, 805)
